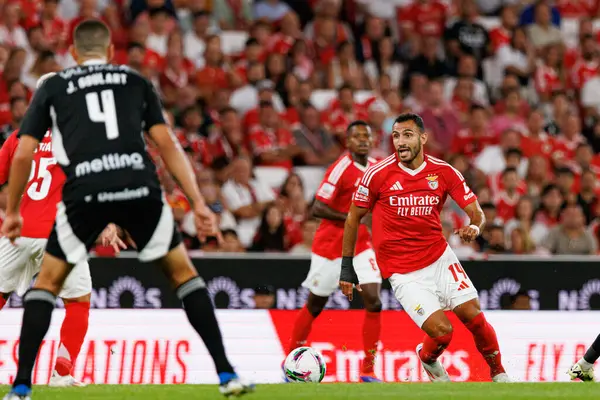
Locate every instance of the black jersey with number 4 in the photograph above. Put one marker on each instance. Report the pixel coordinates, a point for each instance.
(97, 113)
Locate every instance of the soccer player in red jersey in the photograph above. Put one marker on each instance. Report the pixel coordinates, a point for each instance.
(406, 193)
(21, 262)
(332, 203)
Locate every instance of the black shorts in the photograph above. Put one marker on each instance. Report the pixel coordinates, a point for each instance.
(78, 224)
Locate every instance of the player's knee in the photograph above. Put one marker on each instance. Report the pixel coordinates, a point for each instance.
(315, 309)
(441, 328)
(373, 305)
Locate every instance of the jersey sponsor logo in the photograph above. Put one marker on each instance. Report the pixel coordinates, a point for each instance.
(432, 181)
(414, 206)
(110, 162)
(44, 146)
(326, 190)
(127, 194)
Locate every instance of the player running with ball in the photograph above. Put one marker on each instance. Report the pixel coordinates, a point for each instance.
(406, 193)
(332, 202)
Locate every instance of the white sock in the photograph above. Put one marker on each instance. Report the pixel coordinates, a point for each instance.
(585, 365)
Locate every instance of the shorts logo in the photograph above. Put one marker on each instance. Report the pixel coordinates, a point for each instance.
(432, 181)
(419, 310)
(463, 285)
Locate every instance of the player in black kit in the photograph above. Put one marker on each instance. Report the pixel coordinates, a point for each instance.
(97, 113)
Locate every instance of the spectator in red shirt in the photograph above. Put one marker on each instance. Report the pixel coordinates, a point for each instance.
(549, 76)
(338, 119)
(570, 136)
(422, 17)
(272, 145)
(506, 199)
(301, 64)
(229, 145)
(294, 206)
(551, 205)
(501, 35)
(216, 73)
(441, 120)
(472, 140)
(18, 106)
(577, 8)
(510, 83)
(87, 10)
(54, 28)
(290, 32)
(587, 65)
(252, 55)
(536, 141)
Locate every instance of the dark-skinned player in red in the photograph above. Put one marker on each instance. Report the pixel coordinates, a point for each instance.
(332, 202)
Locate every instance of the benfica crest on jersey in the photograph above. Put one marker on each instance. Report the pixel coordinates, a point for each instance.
(432, 181)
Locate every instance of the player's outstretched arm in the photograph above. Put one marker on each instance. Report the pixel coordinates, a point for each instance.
(322, 210)
(18, 176)
(348, 276)
(477, 222)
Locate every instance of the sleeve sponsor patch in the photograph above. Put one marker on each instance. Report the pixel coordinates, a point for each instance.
(362, 191)
(326, 190)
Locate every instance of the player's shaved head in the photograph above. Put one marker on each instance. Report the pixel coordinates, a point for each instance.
(91, 37)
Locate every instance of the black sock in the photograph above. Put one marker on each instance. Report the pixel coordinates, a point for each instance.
(36, 321)
(201, 315)
(593, 353)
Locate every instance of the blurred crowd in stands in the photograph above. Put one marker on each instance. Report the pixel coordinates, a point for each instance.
(259, 92)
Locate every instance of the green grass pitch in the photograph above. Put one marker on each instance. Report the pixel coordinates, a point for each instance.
(441, 391)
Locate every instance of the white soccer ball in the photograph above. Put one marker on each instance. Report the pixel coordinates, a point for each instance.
(305, 365)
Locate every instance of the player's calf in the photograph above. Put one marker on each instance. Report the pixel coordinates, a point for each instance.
(486, 342)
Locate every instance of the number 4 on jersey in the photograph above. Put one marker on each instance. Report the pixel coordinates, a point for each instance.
(107, 113)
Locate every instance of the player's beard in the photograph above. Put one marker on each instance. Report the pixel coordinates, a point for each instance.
(414, 152)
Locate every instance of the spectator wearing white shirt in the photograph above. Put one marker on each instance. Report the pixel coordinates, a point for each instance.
(11, 33)
(492, 159)
(194, 41)
(518, 57)
(158, 39)
(246, 198)
(467, 68)
(590, 97)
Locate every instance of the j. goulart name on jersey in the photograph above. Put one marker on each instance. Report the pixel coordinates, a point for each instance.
(94, 75)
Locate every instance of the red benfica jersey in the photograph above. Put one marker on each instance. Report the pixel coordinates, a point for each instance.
(336, 190)
(406, 206)
(43, 191)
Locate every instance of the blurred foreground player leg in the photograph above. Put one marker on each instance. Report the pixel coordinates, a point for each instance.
(97, 110)
(332, 202)
(406, 193)
(584, 368)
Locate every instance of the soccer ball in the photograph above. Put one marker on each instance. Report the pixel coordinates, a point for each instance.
(304, 365)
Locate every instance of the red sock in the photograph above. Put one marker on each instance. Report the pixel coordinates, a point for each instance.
(434, 347)
(72, 334)
(2, 302)
(302, 328)
(371, 331)
(487, 343)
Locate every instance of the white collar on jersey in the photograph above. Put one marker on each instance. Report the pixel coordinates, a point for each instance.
(412, 172)
(94, 61)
